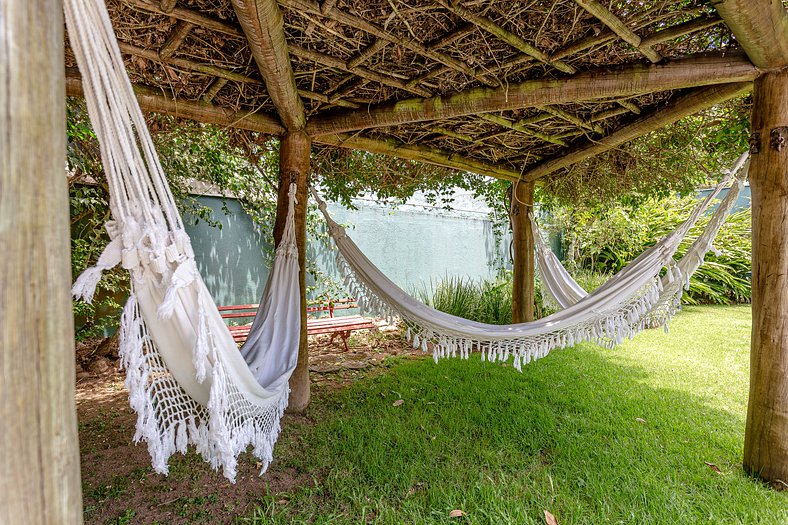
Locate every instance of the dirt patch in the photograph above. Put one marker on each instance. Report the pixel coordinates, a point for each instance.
(120, 487)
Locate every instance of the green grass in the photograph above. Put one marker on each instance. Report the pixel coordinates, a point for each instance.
(592, 435)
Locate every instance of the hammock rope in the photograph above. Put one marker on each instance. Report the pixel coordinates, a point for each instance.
(187, 381)
(560, 290)
(627, 304)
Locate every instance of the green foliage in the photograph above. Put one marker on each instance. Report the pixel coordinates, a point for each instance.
(485, 301)
(604, 241)
(89, 211)
(674, 159)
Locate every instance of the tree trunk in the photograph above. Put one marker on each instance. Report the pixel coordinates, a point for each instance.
(766, 435)
(39, 469)
(294, 166)
(523, 248)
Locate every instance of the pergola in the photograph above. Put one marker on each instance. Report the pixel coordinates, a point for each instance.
(514, 90)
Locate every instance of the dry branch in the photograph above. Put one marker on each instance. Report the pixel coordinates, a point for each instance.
(618, 27)
(426, 154)
(151, 100)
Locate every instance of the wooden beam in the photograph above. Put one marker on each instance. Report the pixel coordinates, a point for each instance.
(341, 65)
(188, 15)
(678, 30)
(214, 89)
(376, 46)
(39, 462)
(154, 101)
(687, 105)
(572, 119)
(263, 25)
(761, 27)
(294, 166)
(523, 267)
(766, 432)
(626, 81)
(425, 154)
(618, 27)
(174, 41)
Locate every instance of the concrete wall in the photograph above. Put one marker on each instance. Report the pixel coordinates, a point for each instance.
(411, 246)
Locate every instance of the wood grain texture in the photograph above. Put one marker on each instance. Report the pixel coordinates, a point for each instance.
(39, 465)
(766, 434)
(626, 81)
(523, 266)
(760, 27)
(263, 25)
(294, 165)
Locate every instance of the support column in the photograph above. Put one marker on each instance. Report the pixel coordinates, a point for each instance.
(39, 453)
(523, 252)
(294, 163)
(766, 435)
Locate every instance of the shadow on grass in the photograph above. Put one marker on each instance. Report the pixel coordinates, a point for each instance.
(576, 433)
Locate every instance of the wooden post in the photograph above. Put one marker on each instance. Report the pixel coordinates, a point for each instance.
(294, 163)
(523, 252)
(39, 465)
(766, 435)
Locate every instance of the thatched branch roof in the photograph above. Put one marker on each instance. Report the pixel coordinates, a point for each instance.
(497, 87)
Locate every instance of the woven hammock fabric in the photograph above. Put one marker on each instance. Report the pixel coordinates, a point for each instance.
(186, 379)
(634, 299)
(560, 290)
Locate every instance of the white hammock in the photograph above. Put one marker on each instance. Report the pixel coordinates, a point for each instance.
(628, 303)
(560, 290)
(187, 381)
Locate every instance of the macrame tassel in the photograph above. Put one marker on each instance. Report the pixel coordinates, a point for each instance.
(183, 276)
(85, 285)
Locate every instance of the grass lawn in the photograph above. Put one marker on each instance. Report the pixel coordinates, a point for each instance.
(651, 432)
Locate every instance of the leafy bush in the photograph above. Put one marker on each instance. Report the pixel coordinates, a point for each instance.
(604, 241)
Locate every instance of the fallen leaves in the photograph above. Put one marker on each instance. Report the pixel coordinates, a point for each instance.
(713, 467)
(457, 513)
(549, 518)
(398, 403)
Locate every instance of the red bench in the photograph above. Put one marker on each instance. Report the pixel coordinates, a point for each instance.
(341, 326)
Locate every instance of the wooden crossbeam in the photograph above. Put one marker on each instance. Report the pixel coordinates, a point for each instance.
(694, 102)
(618, 27)
(452, 36)
(189, 15)
(174, 41)
(626, 81)
(189, 65)
(761, 27)
(376, 46)
(152, 100)
(682, 29)
(521, 127)
(263, 25)
(425, 154)
(214, 89)
(507, 36)
(221, 74)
